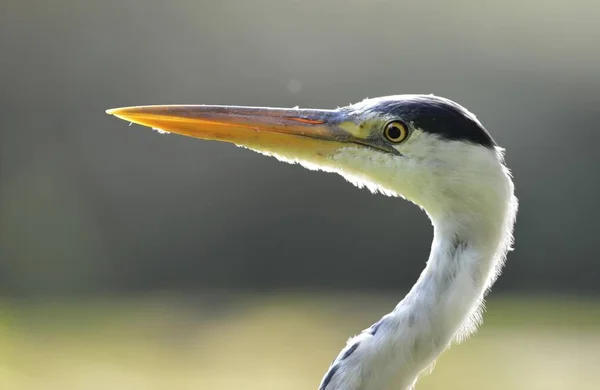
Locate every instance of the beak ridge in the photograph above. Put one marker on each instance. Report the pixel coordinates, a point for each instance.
(204, 121)
(255, 127)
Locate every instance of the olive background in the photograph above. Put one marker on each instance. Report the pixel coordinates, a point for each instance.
(134, 260)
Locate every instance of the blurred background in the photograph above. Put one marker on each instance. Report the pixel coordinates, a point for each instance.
(137, 261)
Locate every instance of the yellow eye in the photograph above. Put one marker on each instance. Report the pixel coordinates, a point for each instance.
(395, 132)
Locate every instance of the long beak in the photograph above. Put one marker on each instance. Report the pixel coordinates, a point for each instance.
(288, 132)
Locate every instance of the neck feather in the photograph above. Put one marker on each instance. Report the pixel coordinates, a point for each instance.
(445, 304)
(472, 233)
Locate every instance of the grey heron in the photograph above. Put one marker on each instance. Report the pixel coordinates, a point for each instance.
(426, 149)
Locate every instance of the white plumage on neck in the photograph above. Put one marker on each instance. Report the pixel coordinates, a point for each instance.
(467, 192)
(469, 197)
(444, 305)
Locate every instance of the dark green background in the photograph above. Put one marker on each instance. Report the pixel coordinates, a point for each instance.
(89, 205)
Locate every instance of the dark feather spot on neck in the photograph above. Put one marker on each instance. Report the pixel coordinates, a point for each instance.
(349, 351)
(329, 376)
(375, 327)
(458, 244)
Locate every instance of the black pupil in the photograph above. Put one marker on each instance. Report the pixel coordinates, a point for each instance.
(394, 132)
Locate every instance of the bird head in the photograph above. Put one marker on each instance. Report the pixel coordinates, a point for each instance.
(424, 148)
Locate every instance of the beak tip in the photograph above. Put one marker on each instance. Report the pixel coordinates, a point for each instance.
(118, 112)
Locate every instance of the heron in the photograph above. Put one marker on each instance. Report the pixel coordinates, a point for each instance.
(426, 149)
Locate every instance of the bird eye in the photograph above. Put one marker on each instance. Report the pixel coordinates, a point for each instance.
(395, 132)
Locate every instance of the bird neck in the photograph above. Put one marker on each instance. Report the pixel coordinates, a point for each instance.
(445, 304)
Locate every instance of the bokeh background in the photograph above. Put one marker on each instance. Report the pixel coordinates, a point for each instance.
(137, 261)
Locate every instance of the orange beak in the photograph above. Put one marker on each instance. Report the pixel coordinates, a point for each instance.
(270, 129)
(289, 132)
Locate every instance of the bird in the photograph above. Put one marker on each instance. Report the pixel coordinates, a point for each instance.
(423, 148)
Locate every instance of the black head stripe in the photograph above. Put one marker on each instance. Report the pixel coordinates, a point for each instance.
(436, 115)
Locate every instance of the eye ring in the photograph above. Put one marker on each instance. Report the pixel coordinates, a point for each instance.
(396, 132)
